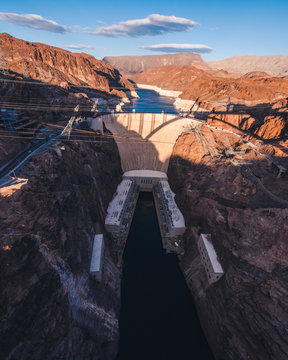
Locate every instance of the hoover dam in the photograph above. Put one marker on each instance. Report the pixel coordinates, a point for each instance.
(147, 230)
(146, 142)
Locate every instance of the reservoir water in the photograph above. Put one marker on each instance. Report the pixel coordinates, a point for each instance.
(151, 102)
(158, 320)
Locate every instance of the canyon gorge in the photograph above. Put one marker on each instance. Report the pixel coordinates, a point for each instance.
(226, 165)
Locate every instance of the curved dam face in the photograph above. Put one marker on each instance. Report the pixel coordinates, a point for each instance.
(144, 140)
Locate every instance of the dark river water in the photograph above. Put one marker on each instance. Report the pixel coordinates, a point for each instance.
(158, 319)
(151, 101)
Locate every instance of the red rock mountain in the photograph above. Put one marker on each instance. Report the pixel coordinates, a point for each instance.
(138, 64)
(60, 67)
(274, 65)
(215, 85)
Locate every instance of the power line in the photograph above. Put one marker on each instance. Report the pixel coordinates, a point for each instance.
(105, 138)
(70, 106)
(121, 88)
(35, 82)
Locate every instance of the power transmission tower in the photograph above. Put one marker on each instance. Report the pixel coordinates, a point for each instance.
(95, 108)
(68, 128)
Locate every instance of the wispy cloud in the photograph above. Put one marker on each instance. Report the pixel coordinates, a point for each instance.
(154, 24)
(174, 48)
(33, 21)
(80, 29)
(78, 47)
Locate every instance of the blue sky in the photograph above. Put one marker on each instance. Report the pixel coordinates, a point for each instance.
(243, 28)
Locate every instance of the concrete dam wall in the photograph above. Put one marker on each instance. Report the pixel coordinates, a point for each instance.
(144, 140)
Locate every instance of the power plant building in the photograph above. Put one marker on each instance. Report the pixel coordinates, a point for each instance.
(145, 179)
(209, 258)
(121, 208)
(172, 217)
(96, 264)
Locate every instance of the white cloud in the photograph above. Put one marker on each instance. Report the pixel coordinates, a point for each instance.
(154, 24)
(78, 47)
(33, 21)
(174, 48)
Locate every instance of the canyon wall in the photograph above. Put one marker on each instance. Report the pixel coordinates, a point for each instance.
(50, 307)
(60, 67)
(226, 187)
(271, 128)
(215, 88)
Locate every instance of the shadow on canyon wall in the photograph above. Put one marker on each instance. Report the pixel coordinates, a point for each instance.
(244, 314)
(46, 245)
(50, 308)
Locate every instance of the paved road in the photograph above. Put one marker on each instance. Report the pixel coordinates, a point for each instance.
(21, 159)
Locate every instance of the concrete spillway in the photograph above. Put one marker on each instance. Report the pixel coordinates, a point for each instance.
(144, 140)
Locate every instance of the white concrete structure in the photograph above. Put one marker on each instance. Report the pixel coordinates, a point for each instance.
(97, 257)
(120, 208)
(145, 179)
(172, 216)
(144, 140)
(209, 258)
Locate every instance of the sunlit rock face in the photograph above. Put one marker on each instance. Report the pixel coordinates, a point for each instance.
(60, 67)
(50, 307)
(273, 127)
(216, 88)
(235, 197)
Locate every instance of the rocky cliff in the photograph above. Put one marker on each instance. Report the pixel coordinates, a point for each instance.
(214, 87)
(269, 128)
(138, 64)
(60, 67)
(50, 308)
(276, 65)
(225, 186)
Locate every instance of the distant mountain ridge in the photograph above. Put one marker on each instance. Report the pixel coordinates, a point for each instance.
(137, 64)
(276, 65)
